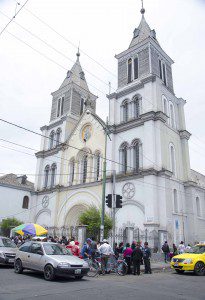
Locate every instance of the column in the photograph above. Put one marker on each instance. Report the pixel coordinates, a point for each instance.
(82, 234)
(77, 171)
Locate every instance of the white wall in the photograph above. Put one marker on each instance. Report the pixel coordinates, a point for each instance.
(11, 201)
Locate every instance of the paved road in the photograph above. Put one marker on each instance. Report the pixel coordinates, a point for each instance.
(157, 286)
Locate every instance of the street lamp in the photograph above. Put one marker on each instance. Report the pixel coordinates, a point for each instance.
(106, 131)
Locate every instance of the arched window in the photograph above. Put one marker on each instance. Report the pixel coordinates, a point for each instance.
(97, 165)
(198, 207)
(136, 156)
(46, 178)
(52, 135)
(172, 160)
(71, 171)
(81, 106)
(58, 136)
(165, 105)
(136, 66)
(129, 73)
(58, 107)
(25, 202)
(62, 105)
(53, 175)
(125, 111)
(85, 165)
(172, 115)
(136, 107)
(123, 158)
(175, 201)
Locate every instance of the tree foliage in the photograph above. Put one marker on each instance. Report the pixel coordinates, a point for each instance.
(7, 224)
(92, 218)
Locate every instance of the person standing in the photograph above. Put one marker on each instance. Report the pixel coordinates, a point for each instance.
(86, 250)
(93, 247)
(105, 250)
(181, 247)
(166, 251)
(175, 252)
(137, 256)
(146, 258)
(127, 255)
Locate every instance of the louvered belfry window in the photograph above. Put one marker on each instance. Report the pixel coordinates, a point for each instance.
(129, 79)
(136, 72)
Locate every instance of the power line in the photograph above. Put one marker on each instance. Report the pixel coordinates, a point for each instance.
(68, 41)
(23, 211)
(14, 16)
(157, 186)
(52, 60)
(56, 50)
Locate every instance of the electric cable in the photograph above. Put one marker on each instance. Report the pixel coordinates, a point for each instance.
(15, 15)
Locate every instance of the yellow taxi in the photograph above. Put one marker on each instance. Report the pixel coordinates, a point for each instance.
(194, 261)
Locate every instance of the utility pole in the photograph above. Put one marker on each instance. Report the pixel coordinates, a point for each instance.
(102, 226)
(113, 206)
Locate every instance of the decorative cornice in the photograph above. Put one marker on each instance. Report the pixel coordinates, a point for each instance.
(61, 188)
(49, 152)
(184, 134)
(133, 87)
(190, 183)
(54, 124)
(133, 123)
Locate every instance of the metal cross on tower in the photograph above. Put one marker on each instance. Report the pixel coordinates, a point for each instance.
(142, 9)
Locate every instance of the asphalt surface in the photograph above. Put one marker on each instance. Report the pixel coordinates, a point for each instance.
(162, 285)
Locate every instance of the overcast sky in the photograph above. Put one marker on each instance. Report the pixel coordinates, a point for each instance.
(104, 28)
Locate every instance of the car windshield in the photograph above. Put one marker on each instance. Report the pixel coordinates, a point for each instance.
(4, 242)
(199, 249)
(55, 249)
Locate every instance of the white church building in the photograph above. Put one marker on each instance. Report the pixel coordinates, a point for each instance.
(147, 156)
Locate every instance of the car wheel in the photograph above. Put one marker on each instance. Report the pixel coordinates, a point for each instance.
(49, 273)
(78, 277)
(199, 268)
(18, 268)
(180, 271)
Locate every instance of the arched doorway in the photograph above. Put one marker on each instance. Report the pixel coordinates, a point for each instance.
(72, 217)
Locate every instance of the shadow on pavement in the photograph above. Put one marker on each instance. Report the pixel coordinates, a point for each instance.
(39, 275)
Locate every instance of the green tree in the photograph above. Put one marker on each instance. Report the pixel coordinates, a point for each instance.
(7, 224)
(92, 218)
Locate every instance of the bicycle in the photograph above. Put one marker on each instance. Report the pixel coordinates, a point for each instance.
(95, 267)
(118, 266)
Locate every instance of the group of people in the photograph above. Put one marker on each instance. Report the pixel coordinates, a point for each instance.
(175, 250)
(134, 255)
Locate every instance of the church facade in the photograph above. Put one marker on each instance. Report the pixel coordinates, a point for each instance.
(147, 157)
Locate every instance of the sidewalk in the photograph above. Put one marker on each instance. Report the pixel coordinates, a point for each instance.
(159, 266)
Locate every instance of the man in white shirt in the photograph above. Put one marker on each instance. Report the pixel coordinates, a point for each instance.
(105, 250)
(181, 247)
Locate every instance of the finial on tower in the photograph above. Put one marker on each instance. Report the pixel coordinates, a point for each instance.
(142, 9)
(78, 53)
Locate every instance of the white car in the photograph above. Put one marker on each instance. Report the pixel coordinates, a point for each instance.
(51, 259)
(7, 251)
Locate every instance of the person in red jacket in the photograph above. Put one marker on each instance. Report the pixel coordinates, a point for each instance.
(76, 249)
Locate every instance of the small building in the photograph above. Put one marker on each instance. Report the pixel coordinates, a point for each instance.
(15, 197)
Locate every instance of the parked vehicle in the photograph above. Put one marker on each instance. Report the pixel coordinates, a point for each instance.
(49, 258)
(7, 251)
(192, 261)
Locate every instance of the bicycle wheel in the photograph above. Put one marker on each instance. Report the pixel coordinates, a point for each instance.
(122, 268)
(94, 268)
